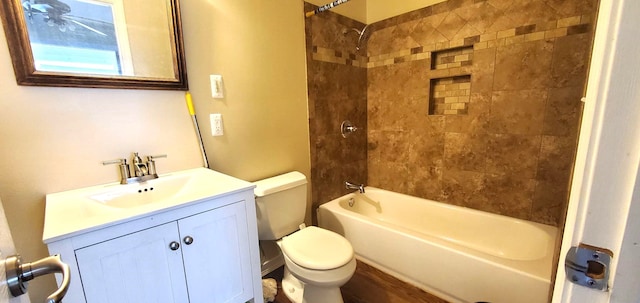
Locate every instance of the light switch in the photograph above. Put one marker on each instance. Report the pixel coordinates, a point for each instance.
(217, 90)
(216, 125)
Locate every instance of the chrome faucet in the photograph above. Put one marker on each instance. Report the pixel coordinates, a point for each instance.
(142, 171)
(350, 185)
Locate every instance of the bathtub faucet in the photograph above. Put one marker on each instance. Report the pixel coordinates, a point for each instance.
(350, 185)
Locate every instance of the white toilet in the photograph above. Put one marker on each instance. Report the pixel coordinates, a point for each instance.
(317, 261)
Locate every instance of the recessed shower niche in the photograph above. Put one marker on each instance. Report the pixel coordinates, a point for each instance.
(450, 95)
(452, 57)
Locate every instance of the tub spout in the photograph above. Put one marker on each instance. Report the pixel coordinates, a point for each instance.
(350, 185)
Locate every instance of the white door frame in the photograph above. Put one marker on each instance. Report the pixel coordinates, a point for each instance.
(605, 193)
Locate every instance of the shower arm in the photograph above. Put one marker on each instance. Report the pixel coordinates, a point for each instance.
(361, 34)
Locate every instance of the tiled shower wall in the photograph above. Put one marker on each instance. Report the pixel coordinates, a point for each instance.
(507, 147)
(337, 92)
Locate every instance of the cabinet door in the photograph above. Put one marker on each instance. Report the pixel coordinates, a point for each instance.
(135, 268)
(217, 263)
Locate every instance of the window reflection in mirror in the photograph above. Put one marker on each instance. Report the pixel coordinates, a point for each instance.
(73, 36)
(101, 37)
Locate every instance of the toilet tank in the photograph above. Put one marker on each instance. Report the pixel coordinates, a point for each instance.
(281, 203)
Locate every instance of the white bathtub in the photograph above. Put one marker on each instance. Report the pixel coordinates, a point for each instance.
(456, 253)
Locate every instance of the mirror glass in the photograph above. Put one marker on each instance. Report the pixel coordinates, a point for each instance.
(96, 43)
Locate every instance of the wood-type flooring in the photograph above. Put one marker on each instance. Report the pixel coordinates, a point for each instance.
(370, 285)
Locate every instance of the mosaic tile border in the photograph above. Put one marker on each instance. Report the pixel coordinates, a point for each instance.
(339, 57)
(526, 33)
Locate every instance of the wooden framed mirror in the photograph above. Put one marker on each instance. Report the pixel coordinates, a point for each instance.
(133, 44)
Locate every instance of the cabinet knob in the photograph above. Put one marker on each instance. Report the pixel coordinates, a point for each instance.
(188, 240)
(174, 245)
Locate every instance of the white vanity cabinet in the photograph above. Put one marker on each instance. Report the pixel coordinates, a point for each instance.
(206, 251)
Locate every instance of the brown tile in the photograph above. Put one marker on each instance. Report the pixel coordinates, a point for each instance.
(434, 20)
(531, 11)
(441, 7)
(500, 4)
(549, 201)
(509, 195)
(556, 158)
(448, 59)
(382, 24)
(414, 15)
(518, 112)
(378, 42)
(455, 4)
(480, 16)
(465, 151)
(563, 111)
(523, 65)
(572, 8)
(336, 160)
(425, 32)
(525, 29)
(483, 68)
(425, 182)
(578, 29)
(464, 188)
(390, 146)
(385, 175)
(477, 118)
(376, 79)
(401, 38)
(426, 148)
(450, 26)
(466, 31)
(554, 174)
(513, 155)
(472, 40)
(570, 60)
(502, 22)
(416, 50)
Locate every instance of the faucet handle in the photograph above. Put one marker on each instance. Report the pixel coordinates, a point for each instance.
(116, 161)
(151, 163)
(124, 168)
(151, 158)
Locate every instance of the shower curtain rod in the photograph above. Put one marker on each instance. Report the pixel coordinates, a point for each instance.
(324, 8)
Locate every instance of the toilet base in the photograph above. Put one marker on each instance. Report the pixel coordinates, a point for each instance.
(298, 292)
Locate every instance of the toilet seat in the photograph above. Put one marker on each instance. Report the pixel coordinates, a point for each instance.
(318, 249)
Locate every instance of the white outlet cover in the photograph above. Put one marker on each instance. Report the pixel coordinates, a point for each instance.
(216, 125)
(217, 87)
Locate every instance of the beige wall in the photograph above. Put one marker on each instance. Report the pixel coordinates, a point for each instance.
(53, 139)
(370, 11)
(382, 9)
(258, 48)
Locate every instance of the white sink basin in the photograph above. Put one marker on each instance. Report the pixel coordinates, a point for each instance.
(137, 194)
(89, 208)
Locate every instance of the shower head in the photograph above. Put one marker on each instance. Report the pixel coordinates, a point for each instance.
(362, 35)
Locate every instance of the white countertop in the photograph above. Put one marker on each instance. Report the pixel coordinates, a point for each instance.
(74, 212)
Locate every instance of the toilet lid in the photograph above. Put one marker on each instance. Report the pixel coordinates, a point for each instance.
(317, 248)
